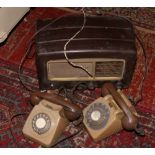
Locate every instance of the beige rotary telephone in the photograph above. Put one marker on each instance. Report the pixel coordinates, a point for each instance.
(49, 117)
(109, 114)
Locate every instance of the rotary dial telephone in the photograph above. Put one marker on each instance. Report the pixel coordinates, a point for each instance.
(109, 114)
(49, 117)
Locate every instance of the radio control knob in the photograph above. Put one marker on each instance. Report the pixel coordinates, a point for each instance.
(41, 123)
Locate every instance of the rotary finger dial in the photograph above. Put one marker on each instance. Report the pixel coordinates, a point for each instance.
(41, 123)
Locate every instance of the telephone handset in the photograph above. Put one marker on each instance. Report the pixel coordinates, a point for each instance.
(49, 117)
(130, 119)
(71, 111)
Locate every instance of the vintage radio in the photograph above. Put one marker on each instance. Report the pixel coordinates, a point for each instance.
(105, 48)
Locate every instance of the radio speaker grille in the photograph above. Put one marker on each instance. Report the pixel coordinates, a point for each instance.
(65, 70)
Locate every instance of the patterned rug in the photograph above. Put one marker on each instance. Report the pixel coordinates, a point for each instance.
(14, 101)
(143, 17)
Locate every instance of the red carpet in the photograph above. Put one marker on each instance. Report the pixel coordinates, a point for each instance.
(14, 99)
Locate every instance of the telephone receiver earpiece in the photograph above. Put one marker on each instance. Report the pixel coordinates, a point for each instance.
(71, 111)
(130, 120)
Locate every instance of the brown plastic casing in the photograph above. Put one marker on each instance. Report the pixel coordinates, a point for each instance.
(57, 119)
(114, 123)
(102, 38)
(128, 103)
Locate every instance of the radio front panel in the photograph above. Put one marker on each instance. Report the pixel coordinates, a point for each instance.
(100, 69)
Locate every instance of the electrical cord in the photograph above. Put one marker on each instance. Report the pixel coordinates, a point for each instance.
(11, 122)
(6, 67)
(72, 135)
(21, 65)
(13, 70)
(72, 38)
(145, 71)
